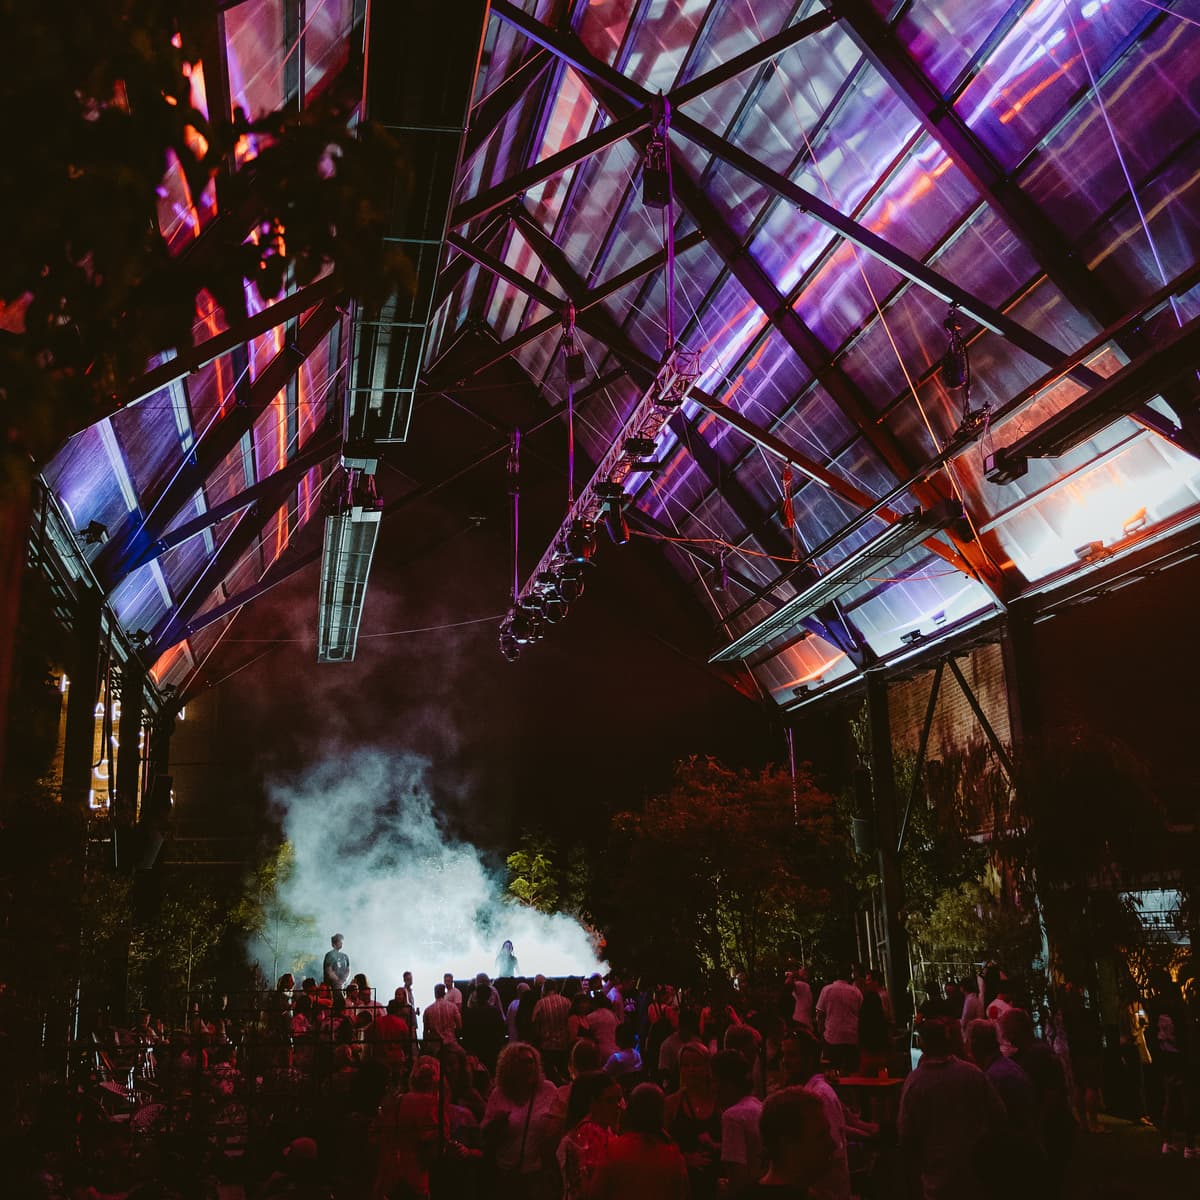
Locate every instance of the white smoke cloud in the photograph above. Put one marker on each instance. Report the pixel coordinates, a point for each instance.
(373, 863)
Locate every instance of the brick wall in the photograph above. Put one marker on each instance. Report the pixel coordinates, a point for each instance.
(954, 724)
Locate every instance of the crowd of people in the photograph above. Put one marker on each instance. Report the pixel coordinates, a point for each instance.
(602, 1087)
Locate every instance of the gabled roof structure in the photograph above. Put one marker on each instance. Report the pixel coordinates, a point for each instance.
(846, 178)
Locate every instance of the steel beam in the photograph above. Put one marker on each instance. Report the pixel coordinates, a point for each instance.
(456, 271)
(597, 295)
(122, 552)
(516, 185)
(502, 270)
(612, 83)
(1047, 244)
(323, 449)
(287, 309)
(812, 352)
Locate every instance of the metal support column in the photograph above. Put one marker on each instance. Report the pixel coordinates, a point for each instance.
(80, 738)
(129, 759)
(883, 785)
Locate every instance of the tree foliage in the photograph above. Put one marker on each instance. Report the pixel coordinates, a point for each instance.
(264, 917)
(720, 872)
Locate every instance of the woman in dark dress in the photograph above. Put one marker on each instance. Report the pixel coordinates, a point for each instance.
(694, 1121)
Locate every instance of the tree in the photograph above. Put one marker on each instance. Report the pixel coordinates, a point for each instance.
(532, 877)
(273, 927)
(718, 873)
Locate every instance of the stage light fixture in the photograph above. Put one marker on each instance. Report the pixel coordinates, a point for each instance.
(570, 587)
(1090, 551)
(510, 651)
(522, 625)
(638, 447)
(911, 637)
(720, 575)
(96, 534)
(573, 361)
(554, 609)
(580, 542)
(656, 182)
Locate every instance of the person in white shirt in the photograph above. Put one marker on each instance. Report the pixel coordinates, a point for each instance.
(837, 1021)
(741, 1143)
(452, 993)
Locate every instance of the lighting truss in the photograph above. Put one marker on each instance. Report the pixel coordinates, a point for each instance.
(893, 543)
(669, 389)
(351, 531)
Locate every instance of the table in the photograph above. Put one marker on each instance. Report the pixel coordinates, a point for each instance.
(876, 1099)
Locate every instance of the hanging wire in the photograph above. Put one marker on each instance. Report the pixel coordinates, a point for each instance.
(568, 350)
(514, 491)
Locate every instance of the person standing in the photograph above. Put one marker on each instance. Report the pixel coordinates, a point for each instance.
(642, 1163)
(452, 993)
(336, 968)
(741, 1144)
(550, 1029)
(802, 1000)
(837, 1021)
(804, 1063)
(443, 1021)
(947, 1110)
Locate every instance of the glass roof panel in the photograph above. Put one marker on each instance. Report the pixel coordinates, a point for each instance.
(661, 41)
(919, 592)
(142, 599)
(812, 663)
(326, 41)
(942, 35)
(254, 34)
(1024, 87)
(1152, 111)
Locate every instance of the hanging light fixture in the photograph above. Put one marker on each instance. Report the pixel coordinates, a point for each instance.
(580, 542)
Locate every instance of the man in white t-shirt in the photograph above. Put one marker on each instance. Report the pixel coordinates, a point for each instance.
(837, 1021)
(452, 993)
(803, 1063)
(741, 1142)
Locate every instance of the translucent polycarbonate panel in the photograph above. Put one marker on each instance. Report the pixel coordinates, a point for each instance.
(769, 383)
(316, 384)
(142, 600)
(508, 302)
(1152, 108)
(572, 116)
(943, 35)
(210, 318)
(182, 565)
(656, 51)
(174, 666)
(254, 37)
(1081, 501)
(868, 131)
(83, 479)
(736, 28)
(211, 392)
(817, 426)
(791, 99)
(986, 258)
(788, 243)
(604, 26)
(272, 445)
(181, 215)
(233, 475)
(254, 562)
(741, 201)
(811, 663)
(326, 41)
(151, 440)
(1024, 87)
(1119, 249)
(596, 199)
(920, 593)
(899, 348)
